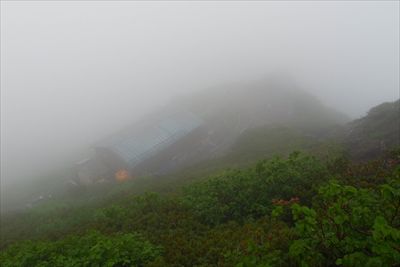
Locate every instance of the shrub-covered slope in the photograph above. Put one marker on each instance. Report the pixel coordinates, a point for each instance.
(295, 211)
(379, 130)
(298, 209)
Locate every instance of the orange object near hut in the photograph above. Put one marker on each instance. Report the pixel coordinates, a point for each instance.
(121, 175)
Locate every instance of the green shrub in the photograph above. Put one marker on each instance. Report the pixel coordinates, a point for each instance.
(92, 249)
(240, 194)
(349, 226)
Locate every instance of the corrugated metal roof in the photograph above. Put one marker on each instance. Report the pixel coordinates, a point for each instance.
(143, 141)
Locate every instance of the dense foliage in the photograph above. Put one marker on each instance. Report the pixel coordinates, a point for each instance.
(91, 249)
(294, 211)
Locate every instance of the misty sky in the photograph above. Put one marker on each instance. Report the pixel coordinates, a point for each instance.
(73, 72)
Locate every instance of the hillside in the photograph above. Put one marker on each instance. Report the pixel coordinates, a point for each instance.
(206, 126)
(362, 139)
(280, 194)
(224, 141)
(227, 112)
(379, 130)
(279, 212)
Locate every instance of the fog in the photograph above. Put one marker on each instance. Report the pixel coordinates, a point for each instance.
(75, 72)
